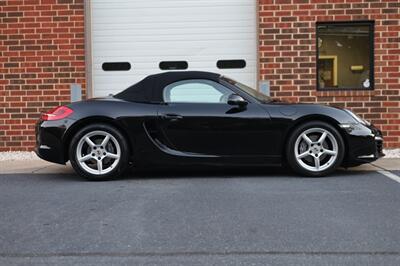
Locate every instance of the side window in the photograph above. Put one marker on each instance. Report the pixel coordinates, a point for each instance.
(196, 91)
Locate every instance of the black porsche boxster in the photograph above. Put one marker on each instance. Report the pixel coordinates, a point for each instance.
(202, 118)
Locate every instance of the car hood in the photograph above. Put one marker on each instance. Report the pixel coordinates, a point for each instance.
(284, 103)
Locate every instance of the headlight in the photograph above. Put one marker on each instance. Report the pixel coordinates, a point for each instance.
(357, 118)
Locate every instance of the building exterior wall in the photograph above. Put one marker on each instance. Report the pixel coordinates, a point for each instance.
(41, 54)
(287, 52)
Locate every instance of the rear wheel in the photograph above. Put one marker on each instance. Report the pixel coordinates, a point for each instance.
(315, 149)
(99, 152)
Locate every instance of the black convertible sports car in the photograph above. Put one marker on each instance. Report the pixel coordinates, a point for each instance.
(201, 118)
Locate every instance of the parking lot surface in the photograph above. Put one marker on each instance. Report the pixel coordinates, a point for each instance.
(211, 218)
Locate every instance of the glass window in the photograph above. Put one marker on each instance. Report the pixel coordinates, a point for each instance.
(116, 66)
(240, 63)
(196, 91)
(173, 65)
(345, 55)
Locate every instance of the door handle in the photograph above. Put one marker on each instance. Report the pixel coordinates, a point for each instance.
(171, 117)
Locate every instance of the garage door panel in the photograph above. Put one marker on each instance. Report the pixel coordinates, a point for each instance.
(166, 4)
(174, 39)
(217, 14)
(155, 59)
(197, 32)
(143, 68)
(150, 48)
(128, 28)
(110, 86)
(144, 33)
(171, 55)
(182, 11)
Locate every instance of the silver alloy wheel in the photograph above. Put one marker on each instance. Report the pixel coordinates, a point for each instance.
(316, 149)
(98, 152)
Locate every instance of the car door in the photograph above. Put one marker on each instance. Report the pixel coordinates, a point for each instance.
(197, 119)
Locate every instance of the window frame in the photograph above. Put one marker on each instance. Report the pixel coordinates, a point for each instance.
(170, 86)
(371, 25)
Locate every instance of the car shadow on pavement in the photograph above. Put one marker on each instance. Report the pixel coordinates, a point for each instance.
(227, 172)
(208, 172)
(198, 172)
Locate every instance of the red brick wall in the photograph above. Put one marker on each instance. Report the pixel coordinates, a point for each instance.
(41, 54)
(288, 56)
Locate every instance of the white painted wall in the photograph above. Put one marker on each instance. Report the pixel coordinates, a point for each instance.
(146, 32)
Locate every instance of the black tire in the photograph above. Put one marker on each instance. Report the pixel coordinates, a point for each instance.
(119, 168)
(290, 149)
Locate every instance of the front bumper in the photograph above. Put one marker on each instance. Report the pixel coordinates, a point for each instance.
(365, 144)
(376, 154)
(49, 140)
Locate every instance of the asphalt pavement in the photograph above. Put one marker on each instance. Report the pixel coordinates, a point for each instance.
(210, 218)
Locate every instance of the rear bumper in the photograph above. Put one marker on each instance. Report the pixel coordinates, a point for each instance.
(49, 154)
(49, 140)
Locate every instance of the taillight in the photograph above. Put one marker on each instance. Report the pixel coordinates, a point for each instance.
(57, 113)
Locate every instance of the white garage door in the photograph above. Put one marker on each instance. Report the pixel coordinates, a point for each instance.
(133, 39)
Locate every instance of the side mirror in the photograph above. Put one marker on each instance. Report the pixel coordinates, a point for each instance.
(238, 100)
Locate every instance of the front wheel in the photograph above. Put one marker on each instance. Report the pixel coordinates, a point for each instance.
(315, 149)
(98, 152)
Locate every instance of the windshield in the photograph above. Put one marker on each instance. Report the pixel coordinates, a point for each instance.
(252, 92)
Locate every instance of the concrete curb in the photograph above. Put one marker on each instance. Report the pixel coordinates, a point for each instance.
(34, 167)
(43, 167)
(389, 164)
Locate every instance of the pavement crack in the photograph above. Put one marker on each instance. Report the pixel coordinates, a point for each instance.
(39, 169)
(377, 166)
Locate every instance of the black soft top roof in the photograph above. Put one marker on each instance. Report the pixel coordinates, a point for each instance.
(150, 89)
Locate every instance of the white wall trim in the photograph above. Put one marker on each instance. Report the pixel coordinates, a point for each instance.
(88, 48)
